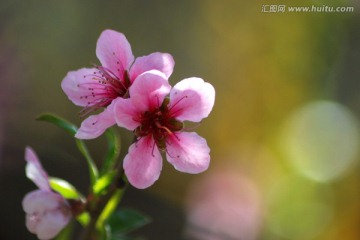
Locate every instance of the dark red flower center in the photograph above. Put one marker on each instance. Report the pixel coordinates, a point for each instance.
(159, 123)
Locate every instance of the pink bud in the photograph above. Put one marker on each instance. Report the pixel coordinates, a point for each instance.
(47, 213)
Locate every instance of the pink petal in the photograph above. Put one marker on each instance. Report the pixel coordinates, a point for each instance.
(126, 114)
(149, 90)
(114, 52)
(163, 62)
(76, 85)
(95, 125)
(192, 99)
(31, 223)
(188, 152)
(40, 201)
(47, 213)
(143, 163)
(52, 223)
(35, 171)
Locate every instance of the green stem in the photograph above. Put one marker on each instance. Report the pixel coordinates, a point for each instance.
(93, 171)
(118, 186)
(112, 153)
(96, 212)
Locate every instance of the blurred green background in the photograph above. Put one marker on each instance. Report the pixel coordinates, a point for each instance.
(284, 131)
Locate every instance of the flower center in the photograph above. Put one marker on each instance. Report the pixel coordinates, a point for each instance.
(106, 86)
(159, 123)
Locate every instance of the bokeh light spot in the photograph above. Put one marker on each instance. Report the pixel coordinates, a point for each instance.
(298, 208)
(321, 140)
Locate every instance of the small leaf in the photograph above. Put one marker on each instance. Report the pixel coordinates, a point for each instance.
(83, 219)
(103, 182)
(126, 220)
(58, 121)
(112, 152)
(64, 188)
(68, 191)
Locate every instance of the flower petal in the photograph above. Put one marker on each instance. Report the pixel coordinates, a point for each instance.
(163, 62)
(31, 223)
(192, 99)
(34, 170)
(126, 114)
(47, 213)
(114, 52)
(149, 90)
(95, 125)
(51, 224)
(38, 201)
(188, 152)
(143, 163)
(76, 85)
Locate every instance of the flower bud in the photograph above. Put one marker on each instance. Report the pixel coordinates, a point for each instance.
(47, 213)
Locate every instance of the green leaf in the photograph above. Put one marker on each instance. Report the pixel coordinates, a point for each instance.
(64, 188)
(113, 151)
(58, 121)
(126, 220)
(103, 182)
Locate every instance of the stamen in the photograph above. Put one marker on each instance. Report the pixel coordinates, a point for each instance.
(153, 148)
(163, 127)
(85, 111)
(106, 87)
(177, 102)
(109, 75)
(174, 113)
(167, 152)
(121, 67)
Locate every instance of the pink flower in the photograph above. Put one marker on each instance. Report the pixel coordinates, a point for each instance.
(99, 87)
(158, 123)
(47, 212)
(224, 204)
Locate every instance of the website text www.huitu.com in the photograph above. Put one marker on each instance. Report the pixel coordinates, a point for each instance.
(310, 9)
